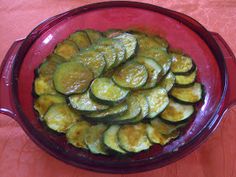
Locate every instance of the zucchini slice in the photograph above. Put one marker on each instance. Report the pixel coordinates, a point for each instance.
(133, 138)
(66, 49)
(186, 80)
(104, 90)
(176, 112)
(133, 111)
(72, 77)
(76, 134)
(188, 95)
(164, 128)
(153, 69)
(156, 137)
(112, 33)
(110, 139)
(82, 102)
(49, 66)
(109, 54)
(160, 56)
(93, 60)
(60, 117)
(43, 102)
(168, 81)
(181, 64)
(118, 46)
(44, 85)
(93, 35)
(108, 114)
(81, 39)
(130, 43)
(157, 101)
(162, 42)
(94, 139)
(131, 75)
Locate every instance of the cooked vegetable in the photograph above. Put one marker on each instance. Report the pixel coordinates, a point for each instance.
(43, 102)
(118, 47)
(109, 54)
(160, 56)
(94, 139)
(72, 77)
(133, 138)
(106, 91)
(93, 60)
(93, 35)
(60, 117)
(110, 139)
(162, 42)
(156, 137)
(76, 134)
(81, 39)
(82, 102)
(131, 75)
(153, 69)
(186, 80)
(129, 42)
(112, 33)
(66, 49)
(168, 81)
(133, 111)
(176, 112)
(157, 101)
(44, 85)
(189, 95)
(110, 113)
(181, 64)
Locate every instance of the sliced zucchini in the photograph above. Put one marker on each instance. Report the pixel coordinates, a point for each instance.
(43, 102)
(110, 139)
(82, 102)
(133, 111)
(93, 35)
(60, 117)
(72, 77)
(81, 39)
(160, 56)
(66, 49)
(76, 134)
(188, 95)
(93, 60)
(131, 75)
(156, 137)
(162, 42)
(181, 64)
(164, 128)
(49, 66)
(157, 101)
(105, 91)
(168, 81)
(108, 114)
(176, 112)
(112, 33)
(133, 138)
(153, 69)
(44, 85)
(109, 54)
(94, 139)
(130, 43)
(118, 46)
(186, 80)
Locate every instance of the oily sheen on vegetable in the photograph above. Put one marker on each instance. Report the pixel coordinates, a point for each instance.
(116, 92)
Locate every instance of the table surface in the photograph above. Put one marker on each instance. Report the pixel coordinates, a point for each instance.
(19, 156)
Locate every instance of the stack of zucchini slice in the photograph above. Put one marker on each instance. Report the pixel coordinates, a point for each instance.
(116, 91)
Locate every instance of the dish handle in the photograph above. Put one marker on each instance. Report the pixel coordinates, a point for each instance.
(230, 61)
(6, 104)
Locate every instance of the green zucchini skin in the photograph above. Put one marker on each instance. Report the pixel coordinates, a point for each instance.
(186, 80)
(81, 39)
(93, 35)
(168, 81)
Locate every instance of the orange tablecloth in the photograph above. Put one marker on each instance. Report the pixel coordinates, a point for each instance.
(20, 157)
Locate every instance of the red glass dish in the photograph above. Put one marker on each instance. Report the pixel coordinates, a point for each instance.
(214, 59)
